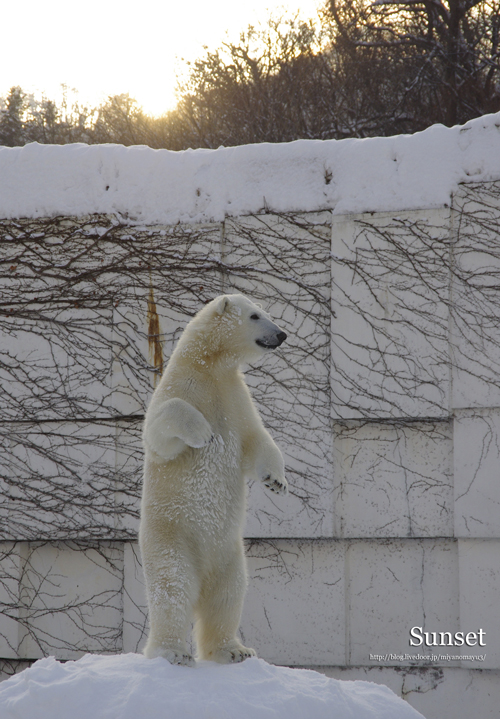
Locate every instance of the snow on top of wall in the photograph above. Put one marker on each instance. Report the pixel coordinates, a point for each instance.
(162, 186)
(131, 686)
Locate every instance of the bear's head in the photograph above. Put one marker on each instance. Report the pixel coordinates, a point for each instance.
(231, 330)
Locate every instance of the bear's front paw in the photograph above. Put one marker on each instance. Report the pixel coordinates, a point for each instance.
(198, 433)
(280, 486)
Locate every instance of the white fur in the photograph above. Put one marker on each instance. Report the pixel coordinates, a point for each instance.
(202, 437)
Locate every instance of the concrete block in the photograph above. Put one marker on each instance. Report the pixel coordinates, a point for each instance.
(135, 609)
(59, 481)
(476, 450)
(57, 367)
(393, 586)
(390, 284)
(9, 667)
(394, 481)
(460, 694)
(283, 263)
(436, 692)
(169, 294)
(129, 464)
(71, 600)
(294, 610)
(479, 569)
(10, 576)
(475, 331)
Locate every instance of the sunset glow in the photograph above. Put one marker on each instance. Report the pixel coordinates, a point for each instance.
(108, 48)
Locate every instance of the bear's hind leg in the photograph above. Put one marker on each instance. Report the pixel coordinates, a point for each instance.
(219, 612)
(172, 588)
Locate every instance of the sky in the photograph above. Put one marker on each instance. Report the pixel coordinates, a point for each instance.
(106, 47)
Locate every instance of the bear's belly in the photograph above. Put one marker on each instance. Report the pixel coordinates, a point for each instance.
(215, 489)
(200, 494)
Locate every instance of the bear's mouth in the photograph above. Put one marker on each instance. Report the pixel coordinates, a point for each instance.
(267, 345)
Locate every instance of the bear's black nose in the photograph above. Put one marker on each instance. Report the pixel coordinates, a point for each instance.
(281, 337)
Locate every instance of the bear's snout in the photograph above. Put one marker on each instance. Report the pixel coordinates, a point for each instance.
(272, 341)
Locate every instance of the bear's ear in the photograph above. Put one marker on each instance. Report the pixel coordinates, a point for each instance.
(223, 304)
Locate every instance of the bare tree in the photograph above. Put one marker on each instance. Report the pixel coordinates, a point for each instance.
(363, 69)
(11, 119)
(25, 118)
(441, 57)
(268, 87)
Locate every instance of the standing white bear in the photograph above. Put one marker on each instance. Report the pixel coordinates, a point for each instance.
(202, 437)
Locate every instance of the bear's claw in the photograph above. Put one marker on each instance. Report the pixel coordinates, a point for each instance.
(185, 660)
(174, 656)
(227, 655)
(279, 486)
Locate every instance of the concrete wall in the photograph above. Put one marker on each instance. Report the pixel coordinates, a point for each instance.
(393, 455)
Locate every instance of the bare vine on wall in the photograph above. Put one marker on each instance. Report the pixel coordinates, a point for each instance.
(385, 324)
(82, 308)
(422, 294)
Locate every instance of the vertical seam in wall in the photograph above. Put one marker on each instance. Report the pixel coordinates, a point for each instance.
(122, 548)
(114, 359)
(222, 254)
(451, 259)
(335, 523)
(347, 595)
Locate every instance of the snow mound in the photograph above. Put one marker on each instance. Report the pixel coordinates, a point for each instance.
(130, 686)
(165, 187)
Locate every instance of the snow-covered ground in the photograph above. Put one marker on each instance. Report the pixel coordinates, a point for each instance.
(160, 186)
(130, 687)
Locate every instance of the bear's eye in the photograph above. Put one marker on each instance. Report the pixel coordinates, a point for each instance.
(255, 317)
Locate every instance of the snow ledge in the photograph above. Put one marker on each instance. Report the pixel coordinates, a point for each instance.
(165, 187)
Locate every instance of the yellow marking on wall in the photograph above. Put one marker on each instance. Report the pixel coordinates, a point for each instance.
(154, 335)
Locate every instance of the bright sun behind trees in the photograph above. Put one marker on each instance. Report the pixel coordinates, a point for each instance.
(363, 69)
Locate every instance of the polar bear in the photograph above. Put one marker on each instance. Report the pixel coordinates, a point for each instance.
(202, 437)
